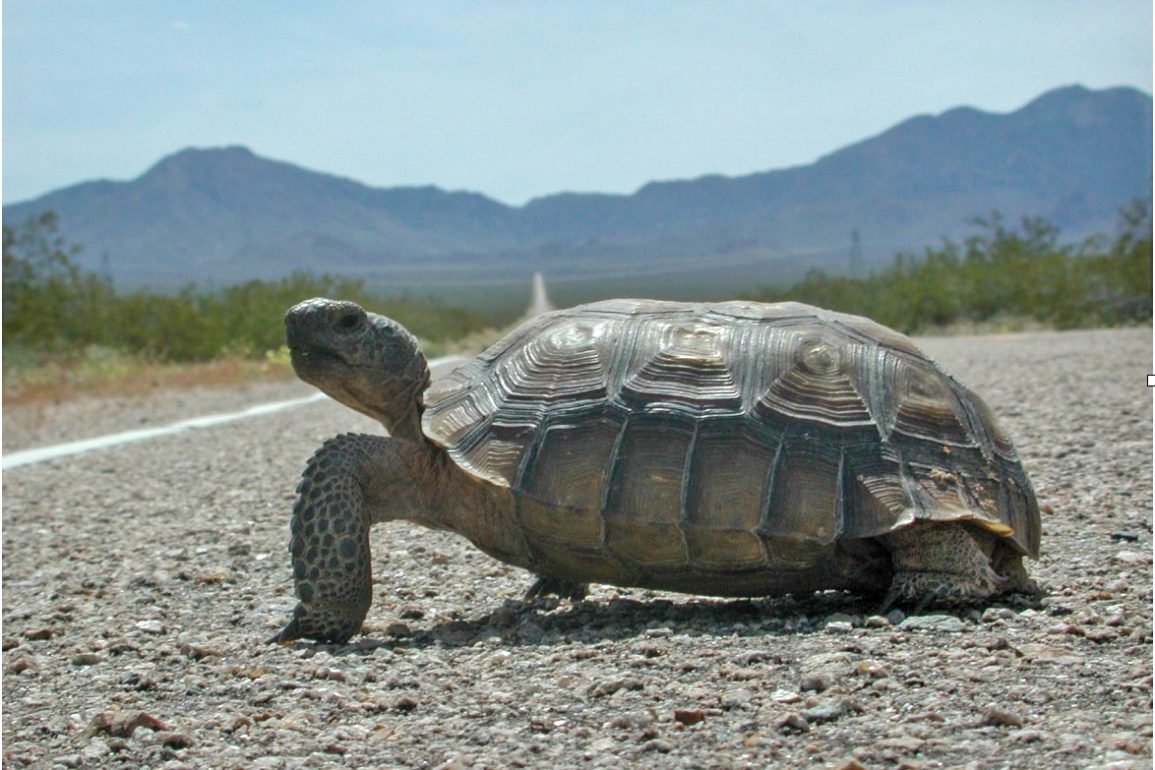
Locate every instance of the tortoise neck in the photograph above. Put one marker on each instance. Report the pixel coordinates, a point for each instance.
(419, 481)
(403, 405)
(397, 404)
(482, 512)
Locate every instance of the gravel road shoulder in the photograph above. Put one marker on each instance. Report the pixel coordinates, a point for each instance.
(139, 585)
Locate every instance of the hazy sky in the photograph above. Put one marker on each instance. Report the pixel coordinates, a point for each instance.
(518, 99)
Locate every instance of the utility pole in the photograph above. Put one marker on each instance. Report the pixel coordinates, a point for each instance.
(855, 254)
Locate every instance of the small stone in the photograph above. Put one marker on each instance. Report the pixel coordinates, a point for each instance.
(38, 634)
(840, 617)
(96, 749)
(658, 745)
(151, 626)
(907, 743)
(174, 740)
(20, 665)
(940, 623)
(870, 668)
(998, 717)
(817, 682)
(200, 651)
(793, 723)
(405, 704)
(1100, 633)
(637, 720)
(86, 659)
(992, 614)
(412, 612)
(531, 632)
(785, 696)
(838, 627)
(824, 712)
(502, 617)
(895, 617)
(732, 699)
(398, 630)
(689, 716)
(459, 762)
(1132, 557)
(877, 621)
(601, 746)
(1027, 735)
(850, 764)
(611, 686)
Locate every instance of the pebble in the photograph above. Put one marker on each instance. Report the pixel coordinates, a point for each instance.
(827, 711)
(992, 715)
(174, 740)
(938, 623)
(838, 627)
(793, 723)
(151, 626)
(785, 696)
(850, 764)
(1132, 557)
(689, 716)
(658, 745)
(732, 699)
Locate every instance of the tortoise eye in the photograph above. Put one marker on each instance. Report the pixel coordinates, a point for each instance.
(348, 322)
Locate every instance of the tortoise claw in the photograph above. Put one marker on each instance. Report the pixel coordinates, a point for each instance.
(290, 633)
(338, 630)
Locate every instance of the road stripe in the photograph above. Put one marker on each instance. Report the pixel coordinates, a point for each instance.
(29, 456)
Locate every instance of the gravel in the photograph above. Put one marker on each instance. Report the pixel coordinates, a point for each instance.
(140, 582)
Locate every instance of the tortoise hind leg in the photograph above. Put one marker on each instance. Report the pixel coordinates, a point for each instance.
(551, 586)
(950, 564)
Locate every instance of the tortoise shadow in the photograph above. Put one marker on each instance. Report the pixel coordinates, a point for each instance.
(553, 622)
(550, 622)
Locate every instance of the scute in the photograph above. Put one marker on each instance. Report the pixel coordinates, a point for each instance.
(704, 437)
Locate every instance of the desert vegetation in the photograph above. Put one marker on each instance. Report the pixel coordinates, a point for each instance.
(1003, 277)
(68, 329)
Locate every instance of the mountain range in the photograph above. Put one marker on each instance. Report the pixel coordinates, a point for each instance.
(1073, 155)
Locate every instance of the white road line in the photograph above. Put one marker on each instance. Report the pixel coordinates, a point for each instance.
(29, 456)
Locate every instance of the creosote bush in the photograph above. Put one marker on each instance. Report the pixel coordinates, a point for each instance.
(54, 310)
(1001, 272)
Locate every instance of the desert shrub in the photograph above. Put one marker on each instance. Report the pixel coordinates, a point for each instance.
(1021, 272)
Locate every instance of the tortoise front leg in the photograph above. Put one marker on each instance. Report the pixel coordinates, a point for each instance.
(330, 541)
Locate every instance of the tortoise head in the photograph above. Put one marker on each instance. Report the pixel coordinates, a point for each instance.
(368, 362)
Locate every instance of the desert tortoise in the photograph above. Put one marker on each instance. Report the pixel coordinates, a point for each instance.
(730, 449)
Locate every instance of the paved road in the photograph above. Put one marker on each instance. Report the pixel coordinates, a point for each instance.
(438, 366)
(143, 579)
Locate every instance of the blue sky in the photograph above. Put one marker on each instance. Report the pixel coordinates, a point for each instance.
(519, 99)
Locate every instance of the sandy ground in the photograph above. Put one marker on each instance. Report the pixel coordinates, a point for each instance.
(140, 582)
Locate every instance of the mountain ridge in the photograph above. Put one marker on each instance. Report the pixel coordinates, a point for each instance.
(1072, 154)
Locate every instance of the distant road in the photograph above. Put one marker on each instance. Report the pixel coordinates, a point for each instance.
(539, 301)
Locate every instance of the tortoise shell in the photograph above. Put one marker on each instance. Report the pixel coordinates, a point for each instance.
(694, 435)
